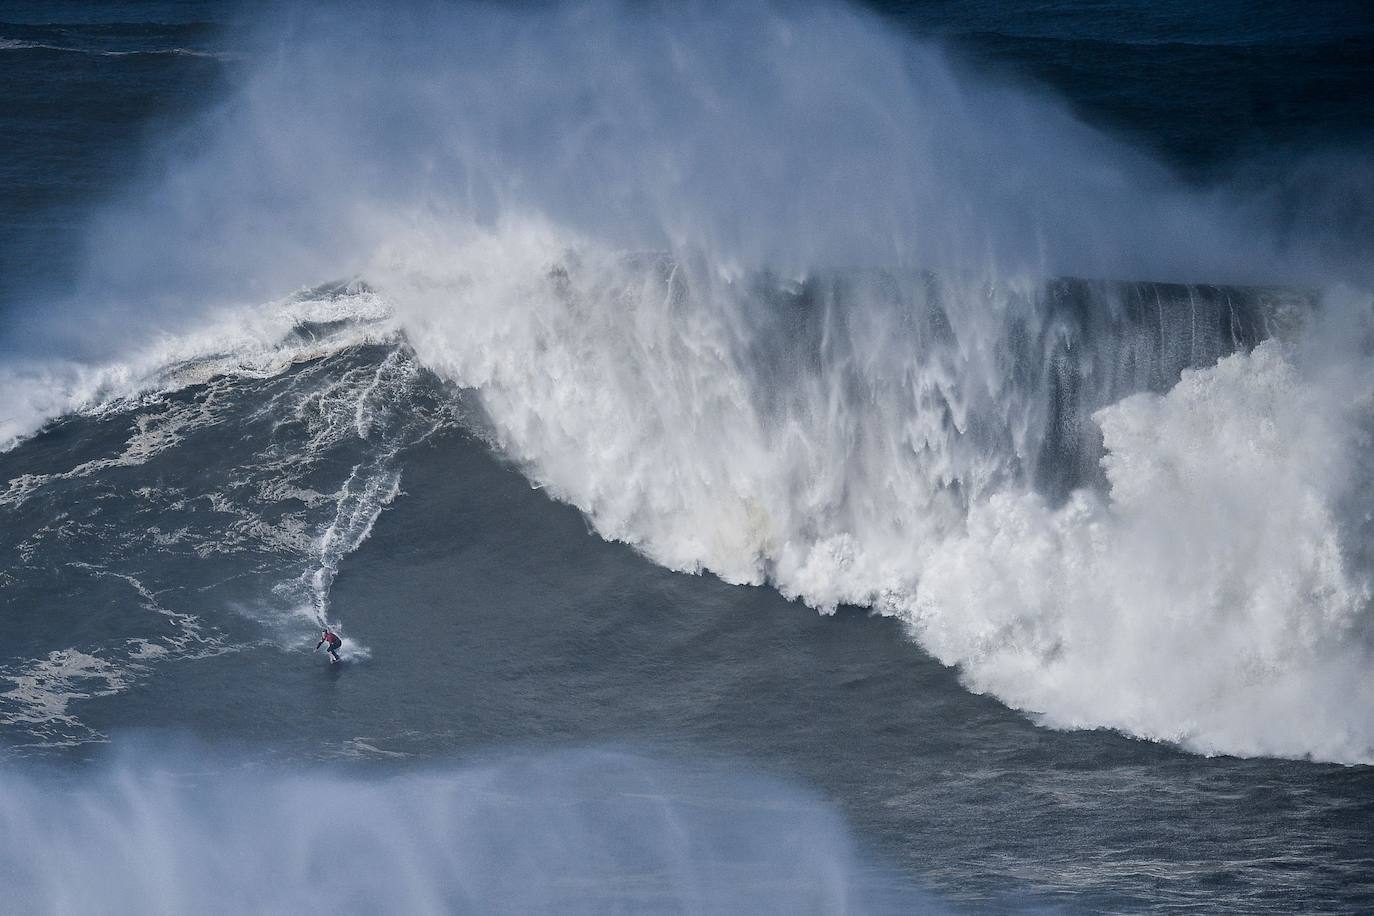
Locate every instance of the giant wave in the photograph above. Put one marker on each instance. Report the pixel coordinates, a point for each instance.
(779, 295)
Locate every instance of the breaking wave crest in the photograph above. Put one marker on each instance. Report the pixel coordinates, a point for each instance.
(250, 341)
(1154, 530)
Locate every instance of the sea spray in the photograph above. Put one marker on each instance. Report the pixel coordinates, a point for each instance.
(589, 831)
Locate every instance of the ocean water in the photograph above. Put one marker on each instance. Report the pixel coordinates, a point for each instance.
(759, 457)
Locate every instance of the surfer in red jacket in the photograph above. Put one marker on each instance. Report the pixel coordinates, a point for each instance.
(334, 643)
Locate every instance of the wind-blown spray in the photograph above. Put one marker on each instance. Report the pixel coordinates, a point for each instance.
(576, 832)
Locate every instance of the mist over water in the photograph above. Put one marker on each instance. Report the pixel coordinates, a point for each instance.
(789, 137)
(777, 293)
(576, 832)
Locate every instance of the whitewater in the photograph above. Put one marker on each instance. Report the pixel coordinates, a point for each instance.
(782, 296)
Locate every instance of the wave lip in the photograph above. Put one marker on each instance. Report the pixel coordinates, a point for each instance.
(246, 341)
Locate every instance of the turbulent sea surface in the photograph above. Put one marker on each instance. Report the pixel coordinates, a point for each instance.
(759, 458)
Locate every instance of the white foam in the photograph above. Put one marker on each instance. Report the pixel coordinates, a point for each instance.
(153, 432)
(43, 691)
(39, 702)
(1208, 599)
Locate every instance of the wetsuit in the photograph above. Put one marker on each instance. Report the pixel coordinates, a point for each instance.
(334, 643)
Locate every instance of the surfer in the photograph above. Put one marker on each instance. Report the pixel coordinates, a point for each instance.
(334, 643)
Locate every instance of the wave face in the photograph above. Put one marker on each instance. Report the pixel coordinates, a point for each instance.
(588, 832)
(783, 296)
(236, 471)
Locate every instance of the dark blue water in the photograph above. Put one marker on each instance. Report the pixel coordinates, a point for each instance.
(1203, 86)
(534, 713)
(84, 86)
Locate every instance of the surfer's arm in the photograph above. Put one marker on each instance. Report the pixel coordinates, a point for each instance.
(318, 644)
